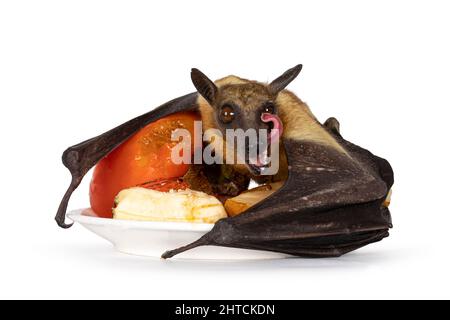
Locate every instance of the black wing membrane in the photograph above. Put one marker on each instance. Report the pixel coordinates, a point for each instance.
(331, 204)
(80, 158)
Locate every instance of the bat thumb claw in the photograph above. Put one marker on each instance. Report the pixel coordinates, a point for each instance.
(63, 224)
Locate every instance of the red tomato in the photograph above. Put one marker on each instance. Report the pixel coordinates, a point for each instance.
(165, 185)
(142, 158)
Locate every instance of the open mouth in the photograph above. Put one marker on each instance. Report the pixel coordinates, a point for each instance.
(263, 160)
(257, 170)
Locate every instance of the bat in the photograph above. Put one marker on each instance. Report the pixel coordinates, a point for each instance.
(333, 198)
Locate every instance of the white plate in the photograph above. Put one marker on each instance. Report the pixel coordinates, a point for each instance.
(148, 238)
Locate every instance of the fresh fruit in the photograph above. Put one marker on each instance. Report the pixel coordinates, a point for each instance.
(387, 201)
(177, 206)
(247, 199)
(142, 158)
(165, 185)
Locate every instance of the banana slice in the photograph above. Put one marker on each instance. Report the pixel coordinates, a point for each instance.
(387, 201)
(176, 205)
(247, 199)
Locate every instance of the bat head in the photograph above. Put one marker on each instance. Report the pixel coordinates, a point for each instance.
(247, 106)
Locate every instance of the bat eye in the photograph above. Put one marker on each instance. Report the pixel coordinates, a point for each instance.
(268, 108)
(227, 114)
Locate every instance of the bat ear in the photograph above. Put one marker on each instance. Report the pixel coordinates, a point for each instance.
(204, 85)
(282, 81)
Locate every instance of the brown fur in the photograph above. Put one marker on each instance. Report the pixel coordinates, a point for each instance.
(298, 121)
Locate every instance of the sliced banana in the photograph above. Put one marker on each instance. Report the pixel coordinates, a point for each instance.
(387, 201)
(249, 198)
(178, 206)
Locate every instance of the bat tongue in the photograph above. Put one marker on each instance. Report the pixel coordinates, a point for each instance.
(274, 135)
(277, 129)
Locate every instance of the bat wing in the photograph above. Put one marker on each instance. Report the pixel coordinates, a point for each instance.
(331, 204)
(80, 158)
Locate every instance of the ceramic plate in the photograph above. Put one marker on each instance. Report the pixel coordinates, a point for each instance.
(148, 238)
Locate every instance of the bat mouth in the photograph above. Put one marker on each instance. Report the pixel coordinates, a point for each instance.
(263, 161)
(257, 170)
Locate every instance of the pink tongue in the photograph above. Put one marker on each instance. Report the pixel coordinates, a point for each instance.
(277, 129)
(275, 133)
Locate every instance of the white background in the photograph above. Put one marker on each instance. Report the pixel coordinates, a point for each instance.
(70, 70)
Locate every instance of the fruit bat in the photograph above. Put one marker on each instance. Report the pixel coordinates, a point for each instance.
(334, 192)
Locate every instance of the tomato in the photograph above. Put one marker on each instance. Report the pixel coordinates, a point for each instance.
(142, 158)
(165, 185)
